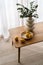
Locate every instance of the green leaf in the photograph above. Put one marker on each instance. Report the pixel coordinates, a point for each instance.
(35, 15)
(19, 8)
(20, 5)
(21, 16)
(31, 4)
(33, 10)
(27, 9)
(36, 6)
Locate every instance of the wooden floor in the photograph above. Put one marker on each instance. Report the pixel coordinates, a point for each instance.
(30, 55)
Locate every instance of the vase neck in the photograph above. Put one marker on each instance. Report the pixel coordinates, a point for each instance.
(30, 18)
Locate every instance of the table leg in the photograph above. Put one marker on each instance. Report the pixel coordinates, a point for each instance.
(18, 55)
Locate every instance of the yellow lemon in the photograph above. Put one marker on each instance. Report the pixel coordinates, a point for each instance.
(30, 35)
(27, 35)
(16, 38)
(22, 40)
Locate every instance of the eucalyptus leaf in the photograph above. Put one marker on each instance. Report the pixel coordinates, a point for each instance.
(25, 12)
(35, 15)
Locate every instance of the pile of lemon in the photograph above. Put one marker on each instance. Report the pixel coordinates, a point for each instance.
(29, 34)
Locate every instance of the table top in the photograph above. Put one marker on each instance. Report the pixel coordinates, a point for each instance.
(38, 36)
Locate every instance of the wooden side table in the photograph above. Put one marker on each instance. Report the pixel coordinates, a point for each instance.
(38, 36)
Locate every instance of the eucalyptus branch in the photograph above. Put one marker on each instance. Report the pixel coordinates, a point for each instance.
(25, 12)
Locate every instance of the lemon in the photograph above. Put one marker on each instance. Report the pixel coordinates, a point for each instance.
(27, 35)
(16, 38)
(22, 40)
